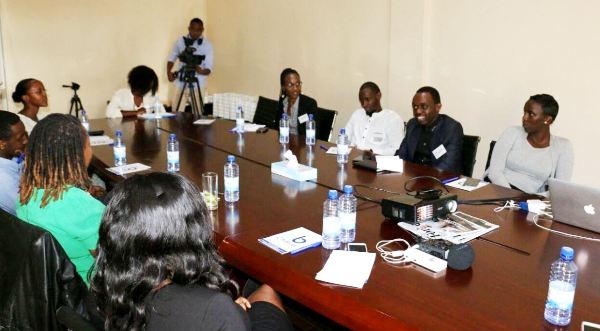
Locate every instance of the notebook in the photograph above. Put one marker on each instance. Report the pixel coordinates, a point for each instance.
(575, 204)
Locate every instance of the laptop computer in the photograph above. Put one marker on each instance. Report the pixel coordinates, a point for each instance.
(575, 204)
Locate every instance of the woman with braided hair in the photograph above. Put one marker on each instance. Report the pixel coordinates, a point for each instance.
(54, 188)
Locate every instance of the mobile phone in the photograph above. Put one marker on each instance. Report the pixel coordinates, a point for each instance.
(357, 247)
(588, 326)
(473, 182)
(96, 132)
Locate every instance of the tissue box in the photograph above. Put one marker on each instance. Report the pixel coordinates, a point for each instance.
(302, 173)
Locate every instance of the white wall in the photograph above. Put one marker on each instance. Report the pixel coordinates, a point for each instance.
(94, 43)
(485, 57)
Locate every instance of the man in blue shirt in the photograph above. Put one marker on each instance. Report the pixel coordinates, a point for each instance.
(13, 139)
(198, 46)
(432, 138)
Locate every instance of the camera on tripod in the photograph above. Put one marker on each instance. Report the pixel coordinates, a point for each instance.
(191, 61)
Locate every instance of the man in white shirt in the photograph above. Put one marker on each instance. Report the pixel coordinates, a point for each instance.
(199, 47)
(374, 129)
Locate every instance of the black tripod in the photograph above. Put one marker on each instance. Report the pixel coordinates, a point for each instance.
(75, 101)
(187, 74)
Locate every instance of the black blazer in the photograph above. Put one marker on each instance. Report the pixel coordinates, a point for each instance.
(306, 105)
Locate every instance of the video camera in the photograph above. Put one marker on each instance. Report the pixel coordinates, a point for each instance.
(188, 57)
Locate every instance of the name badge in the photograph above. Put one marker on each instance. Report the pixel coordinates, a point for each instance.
(439, 151)
(377, 137)
(302, 119)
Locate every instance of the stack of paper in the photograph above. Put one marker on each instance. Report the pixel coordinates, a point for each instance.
(149, 116)
(460, 184)
(389, 163)
(333, 150)
(128, 168)
(204, 121)
(457, 229)
(251, 127)
(292, 241)
(100, 140)
(347, 268)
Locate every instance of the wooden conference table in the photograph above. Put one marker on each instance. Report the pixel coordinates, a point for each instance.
(505, 289)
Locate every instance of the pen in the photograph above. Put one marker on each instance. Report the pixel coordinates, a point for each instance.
(324, 148)
(446, 181)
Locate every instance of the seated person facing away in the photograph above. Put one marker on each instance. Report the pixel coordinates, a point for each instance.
(54, 188)
(139, 98)
(158, 267)
(432, 138)
(372, 128)
(293, 103)
(13, 139)
(524, 157)
(32, 94)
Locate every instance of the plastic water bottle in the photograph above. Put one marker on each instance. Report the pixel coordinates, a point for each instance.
(120, 149)
(347, 214)
(284, 129)
(561, 291)
(232, 180)
(173, 154)
(311, 133)
(331, 222)
(342, 147)
(157, 108)
(84, 120)
(239, 120)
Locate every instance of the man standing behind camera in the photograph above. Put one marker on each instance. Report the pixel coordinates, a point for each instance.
(199, 47)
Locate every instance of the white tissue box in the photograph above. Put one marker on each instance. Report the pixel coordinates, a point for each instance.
(301, 173)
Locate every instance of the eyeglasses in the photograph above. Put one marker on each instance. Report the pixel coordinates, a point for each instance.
(290, 85)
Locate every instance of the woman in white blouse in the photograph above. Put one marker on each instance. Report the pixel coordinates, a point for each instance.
(139, 98)
(32, 93)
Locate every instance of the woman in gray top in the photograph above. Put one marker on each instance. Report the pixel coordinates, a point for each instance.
(525, 157)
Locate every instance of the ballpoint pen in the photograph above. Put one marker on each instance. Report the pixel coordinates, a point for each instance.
(324, 148)
(449, 180)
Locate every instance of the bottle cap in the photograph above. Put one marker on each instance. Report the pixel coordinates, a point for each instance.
(566, 253)
(348, 189)
(230, 158)
(342, 131)
(310, 117)
(332, 195)
(172, 136)
(119, 133)
(82, 111)
(284, 117)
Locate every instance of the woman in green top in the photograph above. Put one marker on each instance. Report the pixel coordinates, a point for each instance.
(54, 188)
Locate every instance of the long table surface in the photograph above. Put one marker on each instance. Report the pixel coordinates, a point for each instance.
(505, 289)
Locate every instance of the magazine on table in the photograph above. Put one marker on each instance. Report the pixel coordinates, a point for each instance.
(458, 228)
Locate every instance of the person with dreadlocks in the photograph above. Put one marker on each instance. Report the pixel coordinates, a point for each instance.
(54, 188)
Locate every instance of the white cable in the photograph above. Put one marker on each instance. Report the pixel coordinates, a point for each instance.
(396, 256)
(510, 204)
(535, 221)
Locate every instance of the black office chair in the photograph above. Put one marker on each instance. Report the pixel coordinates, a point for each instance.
(469, 153)
(325, 120)
(266, 112)
(489, 158)
(72, 320)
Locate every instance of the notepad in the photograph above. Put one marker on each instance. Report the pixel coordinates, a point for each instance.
(154, 116)
(204, 121)
(293, 241)
(128, 168)
(100, 140)
(347, 268)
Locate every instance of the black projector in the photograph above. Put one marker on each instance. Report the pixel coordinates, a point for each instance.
(410, 209)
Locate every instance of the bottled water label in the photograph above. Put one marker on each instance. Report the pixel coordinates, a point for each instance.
(331, 226)
(561, 295)
(348, 220)
(86, 125)
(232, 184)
(310, 134)
(239, 123)
(173, 157)
(284, 132)
(120, 152)
(342, 149)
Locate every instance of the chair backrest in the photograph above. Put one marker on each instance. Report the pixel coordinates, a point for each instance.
(325, 121)
(469, 153)
(489, 158)
(72, 320)
(266, 111)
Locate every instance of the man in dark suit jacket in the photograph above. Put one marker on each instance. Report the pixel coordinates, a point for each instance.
(432, 138)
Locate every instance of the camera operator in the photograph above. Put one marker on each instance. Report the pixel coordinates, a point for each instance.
(192, 47)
